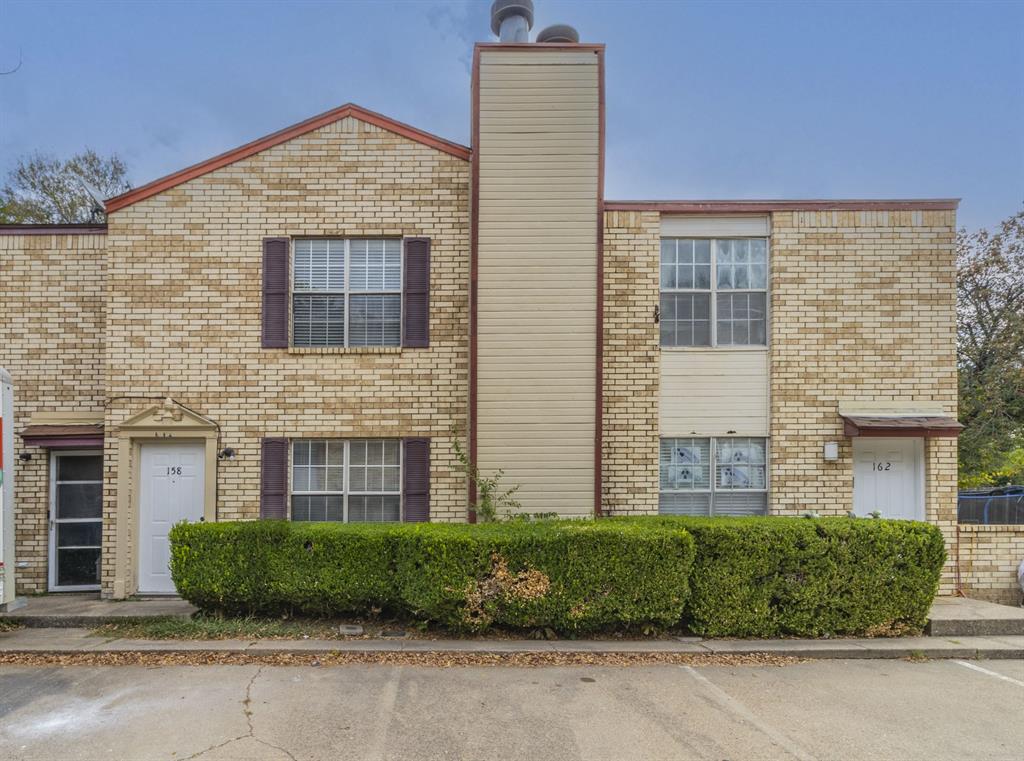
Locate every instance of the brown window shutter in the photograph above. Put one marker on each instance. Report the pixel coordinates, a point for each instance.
(275, 293)
(274, 478)
(416, 298)
(416, 480)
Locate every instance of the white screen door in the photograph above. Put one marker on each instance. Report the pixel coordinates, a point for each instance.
(170, 490)
(888, 476)
(76, 520)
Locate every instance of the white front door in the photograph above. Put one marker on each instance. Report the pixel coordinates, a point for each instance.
(170, 491)
(888, 476)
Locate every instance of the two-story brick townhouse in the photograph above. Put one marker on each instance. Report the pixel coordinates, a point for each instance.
(297, 328)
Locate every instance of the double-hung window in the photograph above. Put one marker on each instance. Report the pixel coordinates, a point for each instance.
(350, 480)
(714, 476)
(347, 292)
(714, 292)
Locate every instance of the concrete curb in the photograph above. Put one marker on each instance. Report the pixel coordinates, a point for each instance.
(73, 641)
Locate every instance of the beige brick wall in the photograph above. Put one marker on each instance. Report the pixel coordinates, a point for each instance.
(988, 558)
(862, 311)
(185, 296)
(51, 341)
(631, 362)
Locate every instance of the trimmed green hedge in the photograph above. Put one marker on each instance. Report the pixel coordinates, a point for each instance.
(774, 576)
(570, 576)
(720, 577)
(273, 567)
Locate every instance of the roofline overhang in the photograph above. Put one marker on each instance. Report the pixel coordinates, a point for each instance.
(767, 206)
(64, 442)
(269, 141)
(901, 425)
(54, 229)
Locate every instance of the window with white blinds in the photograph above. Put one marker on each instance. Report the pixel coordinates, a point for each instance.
(714, 292)
(713, 476)
(347, 292)
(358, 480)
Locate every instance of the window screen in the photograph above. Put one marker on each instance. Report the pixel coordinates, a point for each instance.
(346, 480)
(713, 476)
(714, 292)
(347, 292)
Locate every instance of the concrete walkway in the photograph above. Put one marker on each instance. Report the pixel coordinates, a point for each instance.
(959, 628)
(77, 640)
(961, 616)
(950, 616)
(87, 609)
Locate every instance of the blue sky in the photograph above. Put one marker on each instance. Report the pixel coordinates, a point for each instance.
(705, 99)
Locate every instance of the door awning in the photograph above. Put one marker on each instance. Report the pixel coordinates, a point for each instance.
(65, 430)
(900, 425)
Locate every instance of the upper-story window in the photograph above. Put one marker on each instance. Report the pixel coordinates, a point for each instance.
(714, 292)
(347, 292)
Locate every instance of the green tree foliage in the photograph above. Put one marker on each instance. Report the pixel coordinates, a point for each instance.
(42, 189)
(990, 353)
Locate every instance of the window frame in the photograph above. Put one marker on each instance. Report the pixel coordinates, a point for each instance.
(346, 291)
(713, 487)
(346, 490)
(713, 292)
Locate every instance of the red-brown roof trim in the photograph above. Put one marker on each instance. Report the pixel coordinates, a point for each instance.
(901, 425)
(281, 136)
(63, 436)
(739, 207)
(61, 229)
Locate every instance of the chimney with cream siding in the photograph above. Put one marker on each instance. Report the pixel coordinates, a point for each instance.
(537, 152)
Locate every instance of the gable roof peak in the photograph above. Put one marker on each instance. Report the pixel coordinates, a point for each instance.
(276, 138)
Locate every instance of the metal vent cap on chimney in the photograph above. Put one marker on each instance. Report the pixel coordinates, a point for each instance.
(512, 20)
(558, 33)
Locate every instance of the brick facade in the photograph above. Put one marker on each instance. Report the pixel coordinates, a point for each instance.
(632, 363)
(51, 341)
(989, 557)
(184, 307)
(168, 304)
(863, 310)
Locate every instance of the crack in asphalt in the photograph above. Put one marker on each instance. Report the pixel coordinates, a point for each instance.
(251, 733)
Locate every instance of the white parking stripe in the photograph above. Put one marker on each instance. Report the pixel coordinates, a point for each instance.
(729, 703)
(997, 675)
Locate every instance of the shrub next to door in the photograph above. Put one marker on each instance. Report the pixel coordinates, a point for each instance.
(771, 577)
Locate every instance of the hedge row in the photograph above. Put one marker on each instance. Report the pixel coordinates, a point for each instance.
(740, 577)
(570, 576)
(770, 577)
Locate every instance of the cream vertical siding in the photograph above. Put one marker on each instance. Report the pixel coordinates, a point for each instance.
(714, 392)
(538, 148)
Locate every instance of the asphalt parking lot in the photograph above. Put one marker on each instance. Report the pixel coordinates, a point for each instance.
(852, 709)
